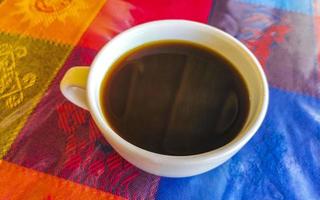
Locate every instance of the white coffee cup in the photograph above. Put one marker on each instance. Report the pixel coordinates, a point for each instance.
(81, 85)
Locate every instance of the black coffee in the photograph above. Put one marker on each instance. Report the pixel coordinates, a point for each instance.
(175, 98)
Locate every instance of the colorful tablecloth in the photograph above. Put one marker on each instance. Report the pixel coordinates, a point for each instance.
(51, 149)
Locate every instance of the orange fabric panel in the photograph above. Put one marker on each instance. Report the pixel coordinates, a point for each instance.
(62, 21)
(22, 183)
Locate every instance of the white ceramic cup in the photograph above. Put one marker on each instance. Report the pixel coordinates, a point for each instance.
(81, 85)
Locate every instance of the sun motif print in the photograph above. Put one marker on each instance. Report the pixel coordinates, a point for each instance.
(46, 12)
(56, 20)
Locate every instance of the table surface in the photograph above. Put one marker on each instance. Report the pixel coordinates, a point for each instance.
(51, 149)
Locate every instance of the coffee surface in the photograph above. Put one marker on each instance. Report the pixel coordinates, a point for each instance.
(175, 98)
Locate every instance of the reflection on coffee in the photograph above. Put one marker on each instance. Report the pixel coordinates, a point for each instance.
(175, 98)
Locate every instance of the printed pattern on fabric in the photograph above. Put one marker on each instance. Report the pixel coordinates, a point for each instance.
(27, 184)
(63, 140)
(56, 20)
(73, 148)
(287, 54)
(26, 69)
(12, 84)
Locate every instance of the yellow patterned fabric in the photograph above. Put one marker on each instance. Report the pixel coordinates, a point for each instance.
(36, 37)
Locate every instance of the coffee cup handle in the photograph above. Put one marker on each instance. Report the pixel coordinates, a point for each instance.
(73, 86)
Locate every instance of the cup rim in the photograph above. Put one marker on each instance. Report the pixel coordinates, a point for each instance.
(221, 152)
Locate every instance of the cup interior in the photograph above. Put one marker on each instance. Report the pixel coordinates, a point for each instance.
(210, 37)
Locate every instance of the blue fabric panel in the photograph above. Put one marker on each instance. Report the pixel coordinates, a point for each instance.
(282, 161)
(300, 6)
